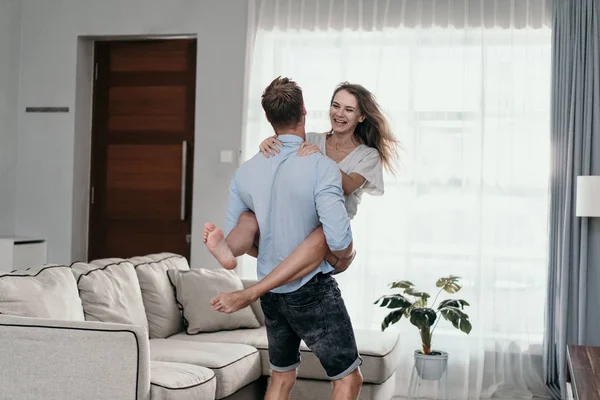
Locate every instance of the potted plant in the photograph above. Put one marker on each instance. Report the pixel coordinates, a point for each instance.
(430, 364)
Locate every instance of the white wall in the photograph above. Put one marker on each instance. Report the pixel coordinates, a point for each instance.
(53, 149)
(10, 20)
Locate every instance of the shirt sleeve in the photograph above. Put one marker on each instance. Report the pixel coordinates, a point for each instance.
(235, 206)
(329, 200)
(370, 167)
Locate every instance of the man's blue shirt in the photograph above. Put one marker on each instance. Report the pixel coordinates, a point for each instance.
(291, 196)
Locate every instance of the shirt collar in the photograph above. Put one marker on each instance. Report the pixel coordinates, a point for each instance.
(290, 138)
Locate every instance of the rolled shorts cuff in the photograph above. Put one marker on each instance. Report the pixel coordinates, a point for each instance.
(348, 370)
(285, 369)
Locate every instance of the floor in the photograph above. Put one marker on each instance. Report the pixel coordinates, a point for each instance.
(503, 398)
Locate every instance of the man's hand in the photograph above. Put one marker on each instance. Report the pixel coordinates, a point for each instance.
(340, 264)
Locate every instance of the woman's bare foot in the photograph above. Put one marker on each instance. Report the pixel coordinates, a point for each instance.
(216, 244)
(231, 302)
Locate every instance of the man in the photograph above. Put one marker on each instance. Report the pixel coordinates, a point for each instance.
(291, 196)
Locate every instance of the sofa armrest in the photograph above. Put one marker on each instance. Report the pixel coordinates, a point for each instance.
(256, 305)
(50, 359)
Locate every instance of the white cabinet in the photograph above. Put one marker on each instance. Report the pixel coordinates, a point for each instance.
(21, 253)
(570, 391)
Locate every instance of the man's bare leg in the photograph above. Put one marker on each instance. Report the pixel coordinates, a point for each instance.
(239, 241)
(281, 385)
(348, 388)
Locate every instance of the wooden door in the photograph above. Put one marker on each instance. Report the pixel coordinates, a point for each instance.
(142, 148)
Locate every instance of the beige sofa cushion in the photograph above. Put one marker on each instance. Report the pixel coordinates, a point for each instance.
(196, 287)
(45, 292)
(178, 381)
(256, 338)
(110, 291)
(379, 351)
(235, 365)
(162, 312)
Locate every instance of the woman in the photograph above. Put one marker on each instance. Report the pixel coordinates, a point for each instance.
(361, 143)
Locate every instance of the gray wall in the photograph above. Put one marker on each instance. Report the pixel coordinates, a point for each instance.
(53, 149)
(10, 20)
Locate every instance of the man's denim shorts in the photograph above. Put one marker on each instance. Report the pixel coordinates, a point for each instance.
(315, 313)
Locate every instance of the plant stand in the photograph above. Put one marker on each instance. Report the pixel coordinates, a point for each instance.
(431, 371)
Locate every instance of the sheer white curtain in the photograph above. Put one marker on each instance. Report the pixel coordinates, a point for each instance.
(466, 86)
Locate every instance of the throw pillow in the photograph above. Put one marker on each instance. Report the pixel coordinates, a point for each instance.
(195, 288)
(110, 292)
(163, 313)
(45, 292)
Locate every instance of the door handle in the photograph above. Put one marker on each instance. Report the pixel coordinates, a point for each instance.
(183, 178)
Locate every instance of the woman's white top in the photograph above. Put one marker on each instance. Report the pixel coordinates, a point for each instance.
(363, 160)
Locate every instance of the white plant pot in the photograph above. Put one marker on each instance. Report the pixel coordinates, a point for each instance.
(431, 367)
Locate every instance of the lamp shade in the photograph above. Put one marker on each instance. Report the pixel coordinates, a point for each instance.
(588, 196)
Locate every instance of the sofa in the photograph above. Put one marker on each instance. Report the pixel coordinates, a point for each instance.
(142, 328)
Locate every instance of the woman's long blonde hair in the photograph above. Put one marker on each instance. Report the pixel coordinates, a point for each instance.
(375, 130)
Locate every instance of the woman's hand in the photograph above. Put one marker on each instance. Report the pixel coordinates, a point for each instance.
(307, 148)
(269, 146)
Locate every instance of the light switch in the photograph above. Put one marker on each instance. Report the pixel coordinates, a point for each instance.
(226, 156)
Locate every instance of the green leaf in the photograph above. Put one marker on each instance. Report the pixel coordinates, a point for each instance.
(414, 293)
(453, 303)
(417, 304)
(423, 318)
(401, 285)
(391, 319)
(458, 318)
(449, 284)
(395, 300)
(465, 326)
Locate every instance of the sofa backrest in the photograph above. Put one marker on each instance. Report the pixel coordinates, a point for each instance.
(134, 291)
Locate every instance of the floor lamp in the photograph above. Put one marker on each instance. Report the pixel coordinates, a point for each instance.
(588, 196)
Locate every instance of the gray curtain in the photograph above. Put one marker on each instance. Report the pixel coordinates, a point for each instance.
(572, 313)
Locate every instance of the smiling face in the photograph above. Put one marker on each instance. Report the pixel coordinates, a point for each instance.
(344, 113)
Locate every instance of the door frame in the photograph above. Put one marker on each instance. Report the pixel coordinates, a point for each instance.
(83, 117)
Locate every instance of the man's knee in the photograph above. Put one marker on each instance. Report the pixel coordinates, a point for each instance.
(353, 380)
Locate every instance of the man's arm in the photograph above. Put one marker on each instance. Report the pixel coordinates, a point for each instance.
(235, 206)
(329, 199)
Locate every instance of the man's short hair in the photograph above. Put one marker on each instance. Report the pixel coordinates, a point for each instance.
(283, 102)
